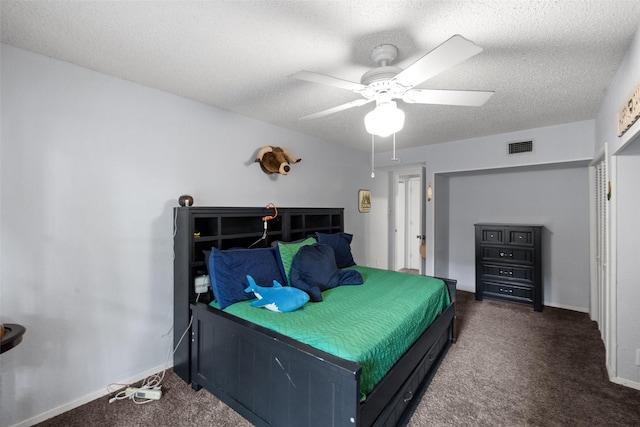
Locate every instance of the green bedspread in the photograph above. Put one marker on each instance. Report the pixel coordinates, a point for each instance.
(372, 324)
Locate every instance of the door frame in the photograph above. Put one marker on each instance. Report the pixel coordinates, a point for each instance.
(603, 307)
(394, 175)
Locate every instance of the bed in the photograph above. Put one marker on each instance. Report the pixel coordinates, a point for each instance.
(271, 376)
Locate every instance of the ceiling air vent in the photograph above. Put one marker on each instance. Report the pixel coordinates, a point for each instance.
(521, 147)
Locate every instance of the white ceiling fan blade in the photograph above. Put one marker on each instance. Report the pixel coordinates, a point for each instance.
(448, 54)
(327, 80)
(356, 103)
(469, 98)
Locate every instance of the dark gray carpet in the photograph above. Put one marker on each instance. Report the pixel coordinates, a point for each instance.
(511, 366)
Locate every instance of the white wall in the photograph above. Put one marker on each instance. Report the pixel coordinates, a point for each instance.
(91, 168)
(628, 271)
(624, 176)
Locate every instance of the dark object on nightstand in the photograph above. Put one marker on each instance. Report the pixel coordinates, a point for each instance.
(509, 263)
(12, 336)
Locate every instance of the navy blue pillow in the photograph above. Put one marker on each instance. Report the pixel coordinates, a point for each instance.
(228, 272)
(314, 270)
(341, 244)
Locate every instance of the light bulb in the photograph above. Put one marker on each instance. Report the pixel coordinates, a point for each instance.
(385, 119)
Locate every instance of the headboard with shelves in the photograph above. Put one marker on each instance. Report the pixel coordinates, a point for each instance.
(198, 229)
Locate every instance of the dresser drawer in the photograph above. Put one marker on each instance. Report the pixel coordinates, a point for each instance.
(492, 235)
(508, 290)
(520, 237)
(508, 272)
(507, 254)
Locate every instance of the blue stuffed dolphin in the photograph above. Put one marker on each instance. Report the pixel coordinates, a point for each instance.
(280, 299)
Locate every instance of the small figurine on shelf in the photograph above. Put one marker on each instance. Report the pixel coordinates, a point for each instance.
(185, 200)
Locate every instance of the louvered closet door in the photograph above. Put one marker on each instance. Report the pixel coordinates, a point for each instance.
(601, 244)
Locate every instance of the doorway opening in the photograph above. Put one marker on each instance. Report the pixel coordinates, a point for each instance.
(409, 222)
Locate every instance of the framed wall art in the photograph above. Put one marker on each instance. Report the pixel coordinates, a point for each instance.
(364, 200)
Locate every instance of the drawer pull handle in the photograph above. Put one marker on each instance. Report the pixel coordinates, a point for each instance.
(508, 273)
(506, 291)
(407, 397)
(502, 254)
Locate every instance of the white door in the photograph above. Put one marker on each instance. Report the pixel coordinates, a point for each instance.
(413, 229)
(603, 293)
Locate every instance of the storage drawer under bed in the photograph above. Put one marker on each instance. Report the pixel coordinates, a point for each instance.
(411, 393)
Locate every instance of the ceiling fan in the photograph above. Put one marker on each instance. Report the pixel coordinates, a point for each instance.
(387, 82)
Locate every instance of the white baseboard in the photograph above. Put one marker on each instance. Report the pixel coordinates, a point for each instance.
(88, 398)
(567, 307)
(626, 383)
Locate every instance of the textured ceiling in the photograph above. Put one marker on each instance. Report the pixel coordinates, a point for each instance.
(549, 62)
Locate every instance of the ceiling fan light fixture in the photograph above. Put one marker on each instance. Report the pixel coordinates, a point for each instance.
(385, 119)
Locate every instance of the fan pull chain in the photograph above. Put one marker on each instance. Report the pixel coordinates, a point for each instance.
(394, 158)
(373, 174)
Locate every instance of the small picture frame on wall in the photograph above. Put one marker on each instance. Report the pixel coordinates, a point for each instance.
(364, 200)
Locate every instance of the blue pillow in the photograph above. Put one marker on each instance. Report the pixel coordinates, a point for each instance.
(228, 272)
(341, 244)
(314, 270)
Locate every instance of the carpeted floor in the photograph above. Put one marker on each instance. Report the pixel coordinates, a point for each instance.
(510, 367)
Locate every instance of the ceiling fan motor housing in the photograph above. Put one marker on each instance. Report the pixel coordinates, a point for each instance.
(378, 80)
(380, 74)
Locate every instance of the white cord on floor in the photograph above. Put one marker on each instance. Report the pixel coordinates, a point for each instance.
(153, 381)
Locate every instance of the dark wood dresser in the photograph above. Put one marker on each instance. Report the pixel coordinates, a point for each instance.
(509, 263)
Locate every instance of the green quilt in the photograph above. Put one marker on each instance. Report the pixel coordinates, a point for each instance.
(372, 324)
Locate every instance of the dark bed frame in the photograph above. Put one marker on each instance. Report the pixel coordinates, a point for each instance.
(268, 378)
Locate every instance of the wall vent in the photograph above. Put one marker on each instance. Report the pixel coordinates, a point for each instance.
(521, 147)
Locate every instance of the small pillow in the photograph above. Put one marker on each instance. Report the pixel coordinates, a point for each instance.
(228, 272)
(314, 270)
(341, 244)
(286, 252)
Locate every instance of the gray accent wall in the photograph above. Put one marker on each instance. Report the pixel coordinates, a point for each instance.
(554, 196)
(442, 217)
